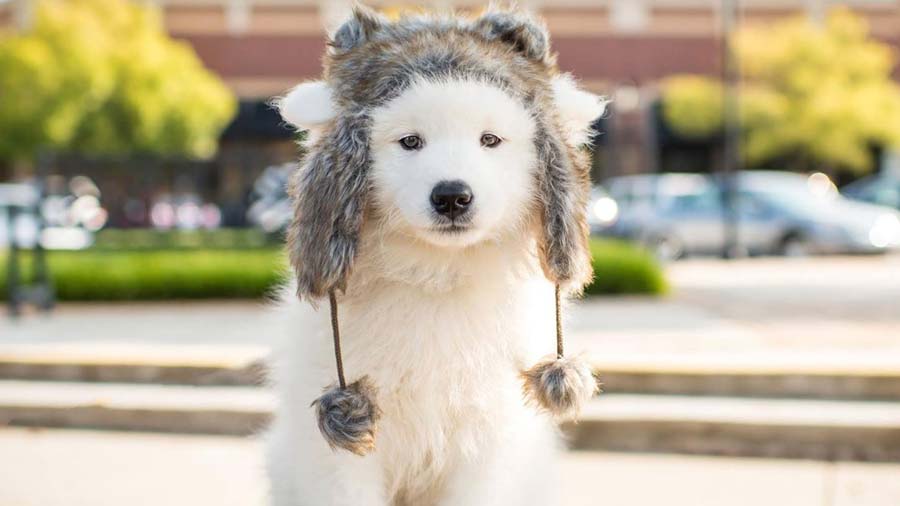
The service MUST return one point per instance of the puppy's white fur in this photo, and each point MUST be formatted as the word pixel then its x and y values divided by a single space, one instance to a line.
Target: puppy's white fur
pixel 441 322
pixel 451 117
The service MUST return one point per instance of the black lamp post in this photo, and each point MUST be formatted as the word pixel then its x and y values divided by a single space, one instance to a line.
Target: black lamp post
pixel 731 134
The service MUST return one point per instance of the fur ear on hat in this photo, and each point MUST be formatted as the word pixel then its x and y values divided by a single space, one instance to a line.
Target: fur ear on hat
pixel 524 34
pixel 357 30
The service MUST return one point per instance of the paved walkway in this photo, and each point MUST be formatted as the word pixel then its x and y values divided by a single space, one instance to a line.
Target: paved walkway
pixel 818 314
pixel 84 468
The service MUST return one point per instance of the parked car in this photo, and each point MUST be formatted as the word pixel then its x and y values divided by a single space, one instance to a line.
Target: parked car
pixel 776 213
pixel 881 189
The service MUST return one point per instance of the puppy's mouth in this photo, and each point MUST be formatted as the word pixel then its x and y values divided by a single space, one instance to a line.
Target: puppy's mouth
pixel 452 228
pixel 452 225
pixel 453 233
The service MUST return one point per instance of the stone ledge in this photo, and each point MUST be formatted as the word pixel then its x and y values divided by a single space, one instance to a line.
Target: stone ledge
pixel 788 428
pixel 656 378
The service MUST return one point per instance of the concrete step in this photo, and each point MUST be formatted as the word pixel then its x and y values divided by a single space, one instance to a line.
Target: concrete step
pixel 654 378
pixel 791 428
pixel 790 381
pixel 732 426
pixel 201 366
pixel 118 406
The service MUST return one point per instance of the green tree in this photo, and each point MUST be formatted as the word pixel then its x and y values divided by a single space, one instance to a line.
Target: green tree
pixel 103 77
pixel 815 97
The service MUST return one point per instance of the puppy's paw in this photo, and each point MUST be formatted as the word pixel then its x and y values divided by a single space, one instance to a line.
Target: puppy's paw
pixel 348 417
pixel 560 385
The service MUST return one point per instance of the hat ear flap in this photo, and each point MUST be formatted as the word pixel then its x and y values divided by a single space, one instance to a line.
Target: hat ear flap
pixel 329 194
pixel 563 187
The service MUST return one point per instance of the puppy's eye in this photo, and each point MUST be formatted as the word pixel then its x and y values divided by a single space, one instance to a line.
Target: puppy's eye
pixel 411 142
pixel 490 140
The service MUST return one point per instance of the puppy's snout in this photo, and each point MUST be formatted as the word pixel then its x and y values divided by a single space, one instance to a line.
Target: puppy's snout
pixel 451 198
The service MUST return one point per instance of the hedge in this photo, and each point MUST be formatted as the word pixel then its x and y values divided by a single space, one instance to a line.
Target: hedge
pixel 623 268
pixel 207 273
pixel 149 239
pixel 95 275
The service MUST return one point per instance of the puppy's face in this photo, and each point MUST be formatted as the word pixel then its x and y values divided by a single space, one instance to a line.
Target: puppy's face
pixel 453 162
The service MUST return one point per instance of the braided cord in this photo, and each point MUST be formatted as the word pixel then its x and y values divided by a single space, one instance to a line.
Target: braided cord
pixel 559 330
pixel 336 334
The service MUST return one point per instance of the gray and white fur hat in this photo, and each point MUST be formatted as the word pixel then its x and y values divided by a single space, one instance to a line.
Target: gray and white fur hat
pixel 372 60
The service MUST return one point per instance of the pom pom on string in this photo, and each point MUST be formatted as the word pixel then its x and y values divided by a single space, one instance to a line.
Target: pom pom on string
pixel 347 415
pixel 560 385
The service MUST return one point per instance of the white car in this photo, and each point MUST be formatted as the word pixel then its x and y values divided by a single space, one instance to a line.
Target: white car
pixel 776 213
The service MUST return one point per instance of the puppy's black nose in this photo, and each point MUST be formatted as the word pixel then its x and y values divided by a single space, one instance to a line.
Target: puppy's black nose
pixel 451 198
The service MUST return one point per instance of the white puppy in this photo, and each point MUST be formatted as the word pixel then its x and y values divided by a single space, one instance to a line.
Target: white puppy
pixel 451 291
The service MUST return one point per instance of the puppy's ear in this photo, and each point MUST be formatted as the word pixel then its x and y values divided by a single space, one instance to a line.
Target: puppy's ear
pixel 522 33
pixel 563 188
pixel 308 106
pixel 577 109
pixel 359 29
pixel 329 194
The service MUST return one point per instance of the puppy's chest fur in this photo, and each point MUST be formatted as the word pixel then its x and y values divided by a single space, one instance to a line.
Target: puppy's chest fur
pixel 446 366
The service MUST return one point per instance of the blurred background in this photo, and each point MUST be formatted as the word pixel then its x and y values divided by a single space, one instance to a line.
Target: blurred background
pixel 745 219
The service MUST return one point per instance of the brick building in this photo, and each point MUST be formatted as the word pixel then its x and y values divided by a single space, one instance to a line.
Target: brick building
pixel 616 47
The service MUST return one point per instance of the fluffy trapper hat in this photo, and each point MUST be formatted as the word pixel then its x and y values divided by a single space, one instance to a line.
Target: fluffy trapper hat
pixel 372 60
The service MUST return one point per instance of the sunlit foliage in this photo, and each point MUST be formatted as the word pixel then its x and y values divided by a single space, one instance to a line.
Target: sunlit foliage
pixel 816 97
pixel 103 77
